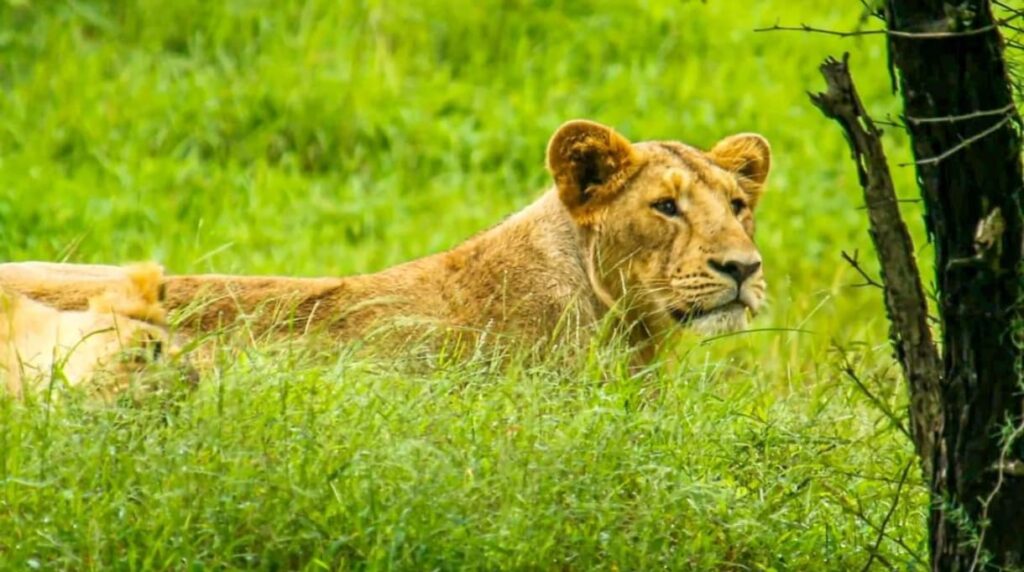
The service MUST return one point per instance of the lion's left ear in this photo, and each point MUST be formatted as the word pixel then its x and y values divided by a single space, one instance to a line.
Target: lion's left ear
pixel 139 298
pixel 749 156
pixel 589 162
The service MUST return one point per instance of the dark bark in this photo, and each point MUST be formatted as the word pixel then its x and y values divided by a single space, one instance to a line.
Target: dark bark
pixel 965 133
pixel 905 301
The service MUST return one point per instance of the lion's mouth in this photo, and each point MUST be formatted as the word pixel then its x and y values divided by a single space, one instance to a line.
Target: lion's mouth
pixel 687 316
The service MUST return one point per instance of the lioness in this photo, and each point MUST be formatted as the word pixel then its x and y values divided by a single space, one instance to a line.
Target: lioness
pixel 659 232
pixel 119 333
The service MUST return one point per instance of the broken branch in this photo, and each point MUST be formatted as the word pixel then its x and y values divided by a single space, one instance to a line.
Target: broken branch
pixel 905 300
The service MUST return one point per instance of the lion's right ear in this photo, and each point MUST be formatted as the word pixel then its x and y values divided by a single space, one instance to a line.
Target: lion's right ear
pixel 589 163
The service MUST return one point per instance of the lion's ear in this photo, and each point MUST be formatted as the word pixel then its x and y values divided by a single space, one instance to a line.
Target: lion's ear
pixel 589 163
pixel 140 298
pixel 749 156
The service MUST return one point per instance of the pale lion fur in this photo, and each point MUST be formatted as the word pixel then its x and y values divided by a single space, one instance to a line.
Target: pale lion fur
pixel 40 344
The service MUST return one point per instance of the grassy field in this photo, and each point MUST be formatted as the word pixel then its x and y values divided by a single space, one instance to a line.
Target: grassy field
pixel 326 138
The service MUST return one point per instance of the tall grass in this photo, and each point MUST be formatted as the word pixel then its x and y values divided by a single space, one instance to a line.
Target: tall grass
pixel 325 138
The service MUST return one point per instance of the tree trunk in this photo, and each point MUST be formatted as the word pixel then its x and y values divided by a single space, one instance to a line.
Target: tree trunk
pixel 965 132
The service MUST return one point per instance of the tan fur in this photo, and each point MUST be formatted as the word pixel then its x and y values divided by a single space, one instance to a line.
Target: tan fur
pixel 115 336
pixel 590 245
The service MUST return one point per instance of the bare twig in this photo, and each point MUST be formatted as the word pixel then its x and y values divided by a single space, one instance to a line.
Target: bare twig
pixel 890 123
pixel 865 477
pixel 1017 29
pixel 962 145
pixel 1007 7
pixel 882 559
pixel 1012 468
pixel 885 521
pixel 866 206
pixel 905 300
pixel 965 117
pixel 854 262
pixel 858 512
pixel 851 372
pixel 931 35
pixel 870 11
pixel 890 33
pixel 1005 468
pixel 898 201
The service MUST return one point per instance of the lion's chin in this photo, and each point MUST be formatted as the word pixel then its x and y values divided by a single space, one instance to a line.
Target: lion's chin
pixel 728 318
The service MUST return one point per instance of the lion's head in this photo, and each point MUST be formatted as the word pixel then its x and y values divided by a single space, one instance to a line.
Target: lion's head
pixel 669 228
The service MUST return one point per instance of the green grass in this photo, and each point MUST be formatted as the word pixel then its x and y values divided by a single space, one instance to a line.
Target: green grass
pixel 326 138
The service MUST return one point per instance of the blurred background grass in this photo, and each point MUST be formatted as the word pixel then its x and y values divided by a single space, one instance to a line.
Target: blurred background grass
pixel 328 138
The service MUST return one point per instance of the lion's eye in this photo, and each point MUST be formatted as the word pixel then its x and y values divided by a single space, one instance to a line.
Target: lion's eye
pixel 667 207
pixel 737 206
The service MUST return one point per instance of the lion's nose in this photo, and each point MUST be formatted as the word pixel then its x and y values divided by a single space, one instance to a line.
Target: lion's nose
pixel 739 270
